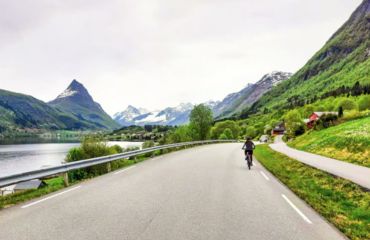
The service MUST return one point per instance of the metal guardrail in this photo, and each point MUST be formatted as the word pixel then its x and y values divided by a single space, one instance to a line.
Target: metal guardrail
pixel 64 168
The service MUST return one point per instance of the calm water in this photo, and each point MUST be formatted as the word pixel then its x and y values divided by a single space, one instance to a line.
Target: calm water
pixel 18 158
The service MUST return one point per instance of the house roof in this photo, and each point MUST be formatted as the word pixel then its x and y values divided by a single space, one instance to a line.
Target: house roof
pixel 33 184
pixel 325 113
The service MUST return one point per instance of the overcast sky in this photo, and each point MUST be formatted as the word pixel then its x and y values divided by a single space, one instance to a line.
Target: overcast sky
pixel 158 53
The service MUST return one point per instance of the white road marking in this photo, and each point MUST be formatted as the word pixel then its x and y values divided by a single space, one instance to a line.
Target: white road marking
pixel 296 209
pixel 264 175
pixel 50 197
pixel 124 170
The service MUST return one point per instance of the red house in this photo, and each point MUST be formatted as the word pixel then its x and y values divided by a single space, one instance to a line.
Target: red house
pixel 316 116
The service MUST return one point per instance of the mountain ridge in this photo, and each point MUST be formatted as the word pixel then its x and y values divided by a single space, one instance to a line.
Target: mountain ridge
pixel 21 111
pixel 76 100
pixel 236 102
pixel 179 115
pixel 341 62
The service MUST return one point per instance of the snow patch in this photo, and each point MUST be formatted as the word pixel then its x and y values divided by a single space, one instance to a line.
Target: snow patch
pixel 67 93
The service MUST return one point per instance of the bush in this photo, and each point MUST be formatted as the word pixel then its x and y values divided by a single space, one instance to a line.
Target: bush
pixel 251 132
pixel 353 114
pixel 223 137
pixel 227 134
pixel 148 144
pixel 347 104
pixel 90 148
pixel 326 121
pixel 220 127
pixel 294 124
pixel 181 134
pixel 364 103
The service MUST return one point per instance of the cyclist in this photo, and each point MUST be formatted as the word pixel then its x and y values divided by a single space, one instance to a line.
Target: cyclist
pixel 248 148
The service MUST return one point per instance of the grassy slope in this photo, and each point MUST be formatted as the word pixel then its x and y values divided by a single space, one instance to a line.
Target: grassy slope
pixel 24 111
pixel 345 73
pixel 342 202
pixel 343 60
pixel 93 114
pixel 349 142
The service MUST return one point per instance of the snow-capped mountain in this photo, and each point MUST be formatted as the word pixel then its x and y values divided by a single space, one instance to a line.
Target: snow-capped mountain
pixel 76 100
pixel 126 117
pixel 235 102
pixel 179 115
pixel 169 116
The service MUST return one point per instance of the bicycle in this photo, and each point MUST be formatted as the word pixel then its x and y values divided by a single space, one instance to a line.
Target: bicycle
pixel 248 158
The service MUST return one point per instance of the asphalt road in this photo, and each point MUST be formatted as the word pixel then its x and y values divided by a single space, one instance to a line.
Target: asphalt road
pixel 355 173
pixel 199 193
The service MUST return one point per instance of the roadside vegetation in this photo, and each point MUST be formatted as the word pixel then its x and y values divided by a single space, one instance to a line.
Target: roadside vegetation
pixel 52 185
pixel 343 203
pixel 349 142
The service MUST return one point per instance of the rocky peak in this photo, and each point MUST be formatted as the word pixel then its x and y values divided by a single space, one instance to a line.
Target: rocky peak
pixel 274 78
pixel 75 89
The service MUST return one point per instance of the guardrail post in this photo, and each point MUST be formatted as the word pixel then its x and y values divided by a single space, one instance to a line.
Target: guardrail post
pixel 66 179
pixel 109 167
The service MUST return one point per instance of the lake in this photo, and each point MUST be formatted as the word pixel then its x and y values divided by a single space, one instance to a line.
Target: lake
pixel 19 158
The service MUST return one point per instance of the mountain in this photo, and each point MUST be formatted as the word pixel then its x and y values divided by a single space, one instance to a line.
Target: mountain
pixel 236 102
pixel 341 62
pixel 20 111
pixel 77 101
pixel 126 117
pixel 178 115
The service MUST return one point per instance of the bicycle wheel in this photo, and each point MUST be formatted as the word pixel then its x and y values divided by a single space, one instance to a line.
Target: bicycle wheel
pixel 249 162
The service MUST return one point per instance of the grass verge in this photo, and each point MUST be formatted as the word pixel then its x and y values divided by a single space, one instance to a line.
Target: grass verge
pixel 52 185
pixel 348 142
pixel 343 203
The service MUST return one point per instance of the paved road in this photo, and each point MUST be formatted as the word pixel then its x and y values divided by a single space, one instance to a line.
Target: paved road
pixel 352 172
pixel 200 193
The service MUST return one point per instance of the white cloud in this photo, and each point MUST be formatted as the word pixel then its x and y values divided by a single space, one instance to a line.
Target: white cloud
pixel 158 53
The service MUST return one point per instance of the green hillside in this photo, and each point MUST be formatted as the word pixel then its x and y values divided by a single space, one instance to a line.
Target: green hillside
pixel 349 142
pixel 343 61
pixel 23 111
pixel 77 101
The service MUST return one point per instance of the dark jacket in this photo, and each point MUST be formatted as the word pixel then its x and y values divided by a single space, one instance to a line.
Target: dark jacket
pixel 249 146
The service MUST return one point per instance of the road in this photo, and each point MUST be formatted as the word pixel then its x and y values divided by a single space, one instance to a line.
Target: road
pixel 355 173
pixel 204 192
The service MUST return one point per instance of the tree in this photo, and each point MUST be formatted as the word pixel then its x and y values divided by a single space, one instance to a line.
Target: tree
pixel 364 103
pixel 251 132
pixel 347 104
pixel 227 134
pixel 201 120
pixel 293 123
pixel 308 110
pixel 181 134
pixel 220 127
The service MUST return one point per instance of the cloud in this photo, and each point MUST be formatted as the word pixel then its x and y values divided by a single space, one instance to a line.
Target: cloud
pixel 158 53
